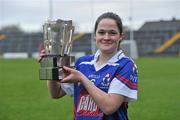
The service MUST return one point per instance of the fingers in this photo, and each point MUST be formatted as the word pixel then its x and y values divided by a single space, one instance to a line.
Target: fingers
pixel 66 79
pixel 67 69
pixel 41 55
pixel 70 76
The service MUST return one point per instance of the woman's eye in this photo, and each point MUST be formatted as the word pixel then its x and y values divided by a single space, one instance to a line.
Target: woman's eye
pixel 112 32
pixel 101 32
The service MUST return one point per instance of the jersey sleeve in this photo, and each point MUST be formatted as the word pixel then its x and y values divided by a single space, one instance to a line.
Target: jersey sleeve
pixel 68 88
pixel 125 82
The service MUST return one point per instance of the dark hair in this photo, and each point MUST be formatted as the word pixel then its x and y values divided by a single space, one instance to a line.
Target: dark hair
pixel 110 15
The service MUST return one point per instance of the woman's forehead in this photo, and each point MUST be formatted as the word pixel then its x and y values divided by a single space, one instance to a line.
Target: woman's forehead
pixel 107 23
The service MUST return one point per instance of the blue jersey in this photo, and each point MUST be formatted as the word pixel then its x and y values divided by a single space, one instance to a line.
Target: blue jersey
pixel 118 76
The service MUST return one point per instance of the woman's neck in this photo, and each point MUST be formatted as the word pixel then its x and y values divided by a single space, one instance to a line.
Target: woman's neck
pixel 104 57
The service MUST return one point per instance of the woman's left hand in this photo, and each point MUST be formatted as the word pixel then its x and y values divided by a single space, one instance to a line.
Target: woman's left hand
pixel 41 55
pixel 72 76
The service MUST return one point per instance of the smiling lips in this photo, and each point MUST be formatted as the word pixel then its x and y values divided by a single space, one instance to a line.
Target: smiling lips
pixel 106 42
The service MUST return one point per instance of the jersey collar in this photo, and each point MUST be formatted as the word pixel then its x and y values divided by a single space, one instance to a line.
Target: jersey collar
pixel 119 55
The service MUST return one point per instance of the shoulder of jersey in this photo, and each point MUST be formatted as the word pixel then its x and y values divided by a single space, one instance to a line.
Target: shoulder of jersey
pixel 86 58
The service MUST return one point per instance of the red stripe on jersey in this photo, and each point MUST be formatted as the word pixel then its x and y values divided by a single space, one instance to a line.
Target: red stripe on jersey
pixel 126 81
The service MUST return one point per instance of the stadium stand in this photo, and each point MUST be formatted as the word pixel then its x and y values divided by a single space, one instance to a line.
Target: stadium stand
pixel 83 44
pixel 168 43
pixel 151 36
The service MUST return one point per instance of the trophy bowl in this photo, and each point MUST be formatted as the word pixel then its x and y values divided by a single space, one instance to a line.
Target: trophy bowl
pixel 57 40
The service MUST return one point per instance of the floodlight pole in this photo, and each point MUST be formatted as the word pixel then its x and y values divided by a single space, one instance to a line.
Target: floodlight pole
pixel 50 9
pixel 131 20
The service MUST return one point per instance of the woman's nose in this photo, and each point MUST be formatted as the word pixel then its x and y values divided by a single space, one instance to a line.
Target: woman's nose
pixel 106 36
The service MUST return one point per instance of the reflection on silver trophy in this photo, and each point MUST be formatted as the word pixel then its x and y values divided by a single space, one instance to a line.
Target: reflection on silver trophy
pixel 57 44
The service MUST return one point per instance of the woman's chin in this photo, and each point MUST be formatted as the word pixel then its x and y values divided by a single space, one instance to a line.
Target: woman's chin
pixel 107 51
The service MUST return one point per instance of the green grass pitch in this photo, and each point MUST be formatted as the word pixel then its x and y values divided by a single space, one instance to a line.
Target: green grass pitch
pixel 24 97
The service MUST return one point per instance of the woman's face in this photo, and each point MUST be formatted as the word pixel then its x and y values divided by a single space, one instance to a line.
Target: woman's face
pixel 107 36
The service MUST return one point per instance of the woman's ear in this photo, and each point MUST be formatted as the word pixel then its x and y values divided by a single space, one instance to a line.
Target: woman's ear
pixel 120 40
pixel 122 36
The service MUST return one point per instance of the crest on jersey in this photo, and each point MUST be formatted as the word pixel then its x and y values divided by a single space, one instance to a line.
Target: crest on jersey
pixel 106 80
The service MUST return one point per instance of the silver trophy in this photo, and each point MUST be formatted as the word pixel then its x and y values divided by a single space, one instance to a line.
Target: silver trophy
pixel 57 44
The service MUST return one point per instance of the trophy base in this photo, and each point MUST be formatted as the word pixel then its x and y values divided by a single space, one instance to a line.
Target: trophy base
pixel 51 73
pixel 51 67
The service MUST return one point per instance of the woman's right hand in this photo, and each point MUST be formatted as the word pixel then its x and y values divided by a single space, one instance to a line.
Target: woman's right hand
pixel 41 55
pixel 72 75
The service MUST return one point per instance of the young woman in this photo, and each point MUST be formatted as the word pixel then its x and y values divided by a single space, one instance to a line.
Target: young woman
pixel 103 83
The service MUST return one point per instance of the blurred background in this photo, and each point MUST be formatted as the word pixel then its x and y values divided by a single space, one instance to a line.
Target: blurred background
pixel 152 39
pixel 153 24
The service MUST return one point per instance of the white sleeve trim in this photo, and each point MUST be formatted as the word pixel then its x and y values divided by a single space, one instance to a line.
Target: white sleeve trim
pixel 68 88
pixel 120 88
